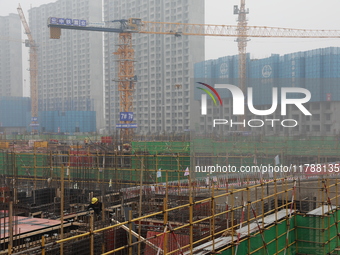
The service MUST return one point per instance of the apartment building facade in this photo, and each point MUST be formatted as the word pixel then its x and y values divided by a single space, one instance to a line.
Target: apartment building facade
pixel 11 83
pixel 70 69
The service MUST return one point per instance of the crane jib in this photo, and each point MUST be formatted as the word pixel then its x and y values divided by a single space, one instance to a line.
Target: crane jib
pixel 99 29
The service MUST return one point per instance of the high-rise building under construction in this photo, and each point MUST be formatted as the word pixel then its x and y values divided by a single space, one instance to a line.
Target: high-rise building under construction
pixel 315 70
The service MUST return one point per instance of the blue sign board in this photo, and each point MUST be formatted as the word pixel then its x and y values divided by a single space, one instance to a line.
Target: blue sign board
pixel 68 22
pixel 126 116
pixel 61 21
pixel 129 125
pixel 34 119
pixel 53 20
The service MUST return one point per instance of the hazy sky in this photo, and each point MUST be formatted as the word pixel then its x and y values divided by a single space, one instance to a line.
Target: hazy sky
pixel 313 14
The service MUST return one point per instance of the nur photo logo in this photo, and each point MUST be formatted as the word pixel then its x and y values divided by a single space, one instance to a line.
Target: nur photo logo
pixel 239 100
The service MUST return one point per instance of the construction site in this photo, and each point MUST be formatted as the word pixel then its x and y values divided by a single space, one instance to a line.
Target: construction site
pixel 230 192
pixel 153 204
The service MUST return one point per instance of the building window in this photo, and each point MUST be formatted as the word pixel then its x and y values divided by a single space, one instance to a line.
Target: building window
pixel 316 117
pixel 316 128
pixel 316 106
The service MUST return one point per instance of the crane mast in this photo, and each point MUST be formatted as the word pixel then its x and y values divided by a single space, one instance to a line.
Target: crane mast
pixel 242 50
pixel 242 42
pixel 33 68
pixel 126 81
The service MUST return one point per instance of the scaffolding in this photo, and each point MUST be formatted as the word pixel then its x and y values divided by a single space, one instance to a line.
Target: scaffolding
pixel 155 201
pixel 254 220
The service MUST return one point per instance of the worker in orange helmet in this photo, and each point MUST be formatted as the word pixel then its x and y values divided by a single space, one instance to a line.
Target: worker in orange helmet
pixel 95 205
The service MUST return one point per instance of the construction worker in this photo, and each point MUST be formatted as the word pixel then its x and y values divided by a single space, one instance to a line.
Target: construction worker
pixel 95 205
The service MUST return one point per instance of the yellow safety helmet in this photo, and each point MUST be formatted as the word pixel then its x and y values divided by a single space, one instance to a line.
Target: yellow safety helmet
pixel 94 200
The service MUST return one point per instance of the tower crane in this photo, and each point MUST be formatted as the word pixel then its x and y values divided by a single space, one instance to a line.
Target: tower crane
pixel 33 68
pixel 125 51
pixel 242 49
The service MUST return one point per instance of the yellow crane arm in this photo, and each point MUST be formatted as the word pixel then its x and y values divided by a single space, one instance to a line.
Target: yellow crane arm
pixel 26 27
pixel 149 27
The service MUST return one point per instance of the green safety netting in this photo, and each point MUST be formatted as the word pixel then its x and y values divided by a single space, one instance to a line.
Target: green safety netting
pixel 274 237
pixel 317 234
pixel 310 234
